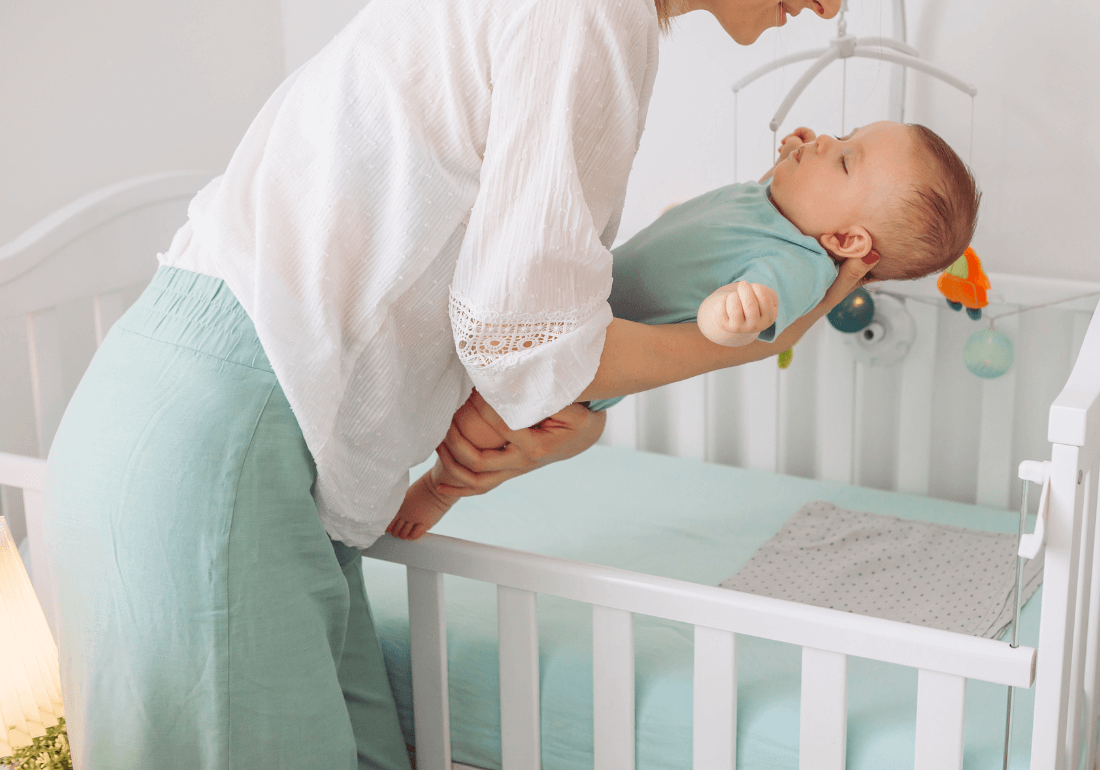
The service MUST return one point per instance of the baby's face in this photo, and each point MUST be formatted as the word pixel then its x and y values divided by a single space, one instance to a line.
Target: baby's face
pixel 831 185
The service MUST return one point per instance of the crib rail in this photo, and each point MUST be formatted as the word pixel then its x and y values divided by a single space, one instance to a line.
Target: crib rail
pixel 827 637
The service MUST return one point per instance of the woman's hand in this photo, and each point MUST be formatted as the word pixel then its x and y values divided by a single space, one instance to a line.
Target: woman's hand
pixel 463 469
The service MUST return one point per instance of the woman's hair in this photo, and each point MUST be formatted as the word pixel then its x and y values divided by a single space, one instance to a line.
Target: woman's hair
pixel 666 9
pixel 930 226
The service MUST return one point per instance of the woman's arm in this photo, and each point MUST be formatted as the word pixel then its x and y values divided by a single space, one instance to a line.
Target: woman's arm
pixel 639 357
pixel 635 357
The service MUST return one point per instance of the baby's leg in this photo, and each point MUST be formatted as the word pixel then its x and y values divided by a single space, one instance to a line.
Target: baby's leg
pixel 424 503
pixel 422 507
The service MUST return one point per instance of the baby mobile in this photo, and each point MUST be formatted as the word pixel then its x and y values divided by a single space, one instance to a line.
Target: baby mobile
pixel 989 352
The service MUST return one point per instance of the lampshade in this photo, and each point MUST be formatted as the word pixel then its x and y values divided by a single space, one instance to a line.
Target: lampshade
pixel 30 684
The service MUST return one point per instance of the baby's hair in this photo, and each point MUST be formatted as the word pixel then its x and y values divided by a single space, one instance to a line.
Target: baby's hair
pixel 931 224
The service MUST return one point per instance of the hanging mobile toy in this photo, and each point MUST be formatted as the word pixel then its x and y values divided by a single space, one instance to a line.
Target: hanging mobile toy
pixel 964 284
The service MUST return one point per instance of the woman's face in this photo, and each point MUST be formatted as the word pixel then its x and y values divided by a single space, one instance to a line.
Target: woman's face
pixel 745 20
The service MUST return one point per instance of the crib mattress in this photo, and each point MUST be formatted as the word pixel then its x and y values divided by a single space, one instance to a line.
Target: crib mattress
pixel 681 519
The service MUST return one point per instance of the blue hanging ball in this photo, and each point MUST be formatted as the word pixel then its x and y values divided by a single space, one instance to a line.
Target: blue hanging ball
pixel 854 312
pixel 988 353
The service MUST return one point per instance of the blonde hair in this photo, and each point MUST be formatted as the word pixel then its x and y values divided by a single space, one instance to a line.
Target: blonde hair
pixel 930 225
pixel 666 9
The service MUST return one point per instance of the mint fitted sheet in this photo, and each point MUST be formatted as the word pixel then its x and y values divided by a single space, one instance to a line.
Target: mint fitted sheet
pixel 682 519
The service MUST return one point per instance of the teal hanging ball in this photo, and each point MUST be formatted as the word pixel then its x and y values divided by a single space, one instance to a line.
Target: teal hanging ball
pixel 988 353
pixel 854 312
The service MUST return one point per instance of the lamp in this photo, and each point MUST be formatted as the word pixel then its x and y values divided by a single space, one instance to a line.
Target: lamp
pixel 30 681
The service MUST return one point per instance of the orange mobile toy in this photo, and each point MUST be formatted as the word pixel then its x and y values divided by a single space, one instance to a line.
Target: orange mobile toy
pixel 964 284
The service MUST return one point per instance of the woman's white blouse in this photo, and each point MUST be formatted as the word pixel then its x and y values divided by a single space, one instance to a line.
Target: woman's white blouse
pixel 425 205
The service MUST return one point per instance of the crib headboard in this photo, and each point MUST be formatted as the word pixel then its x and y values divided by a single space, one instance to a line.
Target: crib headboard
pixel 925 425
pixel 63 283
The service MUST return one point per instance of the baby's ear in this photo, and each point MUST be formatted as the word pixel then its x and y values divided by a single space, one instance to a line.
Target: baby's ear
pixel 853 244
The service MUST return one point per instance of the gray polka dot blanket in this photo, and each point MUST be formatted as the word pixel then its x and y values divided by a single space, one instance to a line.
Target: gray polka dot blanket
pixel 928 574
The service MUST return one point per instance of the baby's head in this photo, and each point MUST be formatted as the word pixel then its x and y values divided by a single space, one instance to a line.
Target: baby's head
pixel 898 189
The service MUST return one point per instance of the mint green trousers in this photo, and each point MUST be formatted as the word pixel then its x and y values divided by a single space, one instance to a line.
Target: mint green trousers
pixel 207 620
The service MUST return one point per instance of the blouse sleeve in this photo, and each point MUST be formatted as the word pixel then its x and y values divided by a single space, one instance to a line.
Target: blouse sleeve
pixel 528 302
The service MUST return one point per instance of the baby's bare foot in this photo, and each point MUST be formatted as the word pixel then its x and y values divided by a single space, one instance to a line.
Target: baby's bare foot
pixel 422 508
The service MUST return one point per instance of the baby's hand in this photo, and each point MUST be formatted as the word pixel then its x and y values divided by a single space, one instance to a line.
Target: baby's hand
pixel 735 314
pixel 794 140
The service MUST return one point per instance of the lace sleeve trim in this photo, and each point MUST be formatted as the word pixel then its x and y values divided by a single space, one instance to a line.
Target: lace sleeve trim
pixel 483 336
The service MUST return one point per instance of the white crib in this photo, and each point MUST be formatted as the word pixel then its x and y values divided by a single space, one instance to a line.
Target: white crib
pixel 924 426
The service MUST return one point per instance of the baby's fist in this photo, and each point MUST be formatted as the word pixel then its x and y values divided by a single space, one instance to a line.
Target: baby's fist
pixel 735 314
pixel 794 140
pixel 751 308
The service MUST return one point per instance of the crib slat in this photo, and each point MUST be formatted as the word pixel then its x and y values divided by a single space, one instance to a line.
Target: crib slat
pixel 714 700
pixel 997 425
pixel 835 408
pixel 941 717
pixel 760 414
pixel 41 574
pixel 44 344
pixel 108 309
pixel 17 428
pixel 782 420
pixel 914 446
pixel 687 418
pixel 621 429
pixel 823 718
pixel 613 688
pixel 428 635
pixel 518 632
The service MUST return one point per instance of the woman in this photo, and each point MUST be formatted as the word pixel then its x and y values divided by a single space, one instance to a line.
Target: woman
pixel 427 205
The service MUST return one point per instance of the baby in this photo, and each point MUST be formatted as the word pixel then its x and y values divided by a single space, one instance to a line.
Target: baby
pixel 748 259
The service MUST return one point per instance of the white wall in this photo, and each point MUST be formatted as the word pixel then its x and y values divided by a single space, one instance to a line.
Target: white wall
pixel 1034 153
pixel 309 24
pixel 94 93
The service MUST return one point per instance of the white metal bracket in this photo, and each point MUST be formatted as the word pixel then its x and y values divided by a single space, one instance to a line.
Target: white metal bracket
pixel 1039 472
